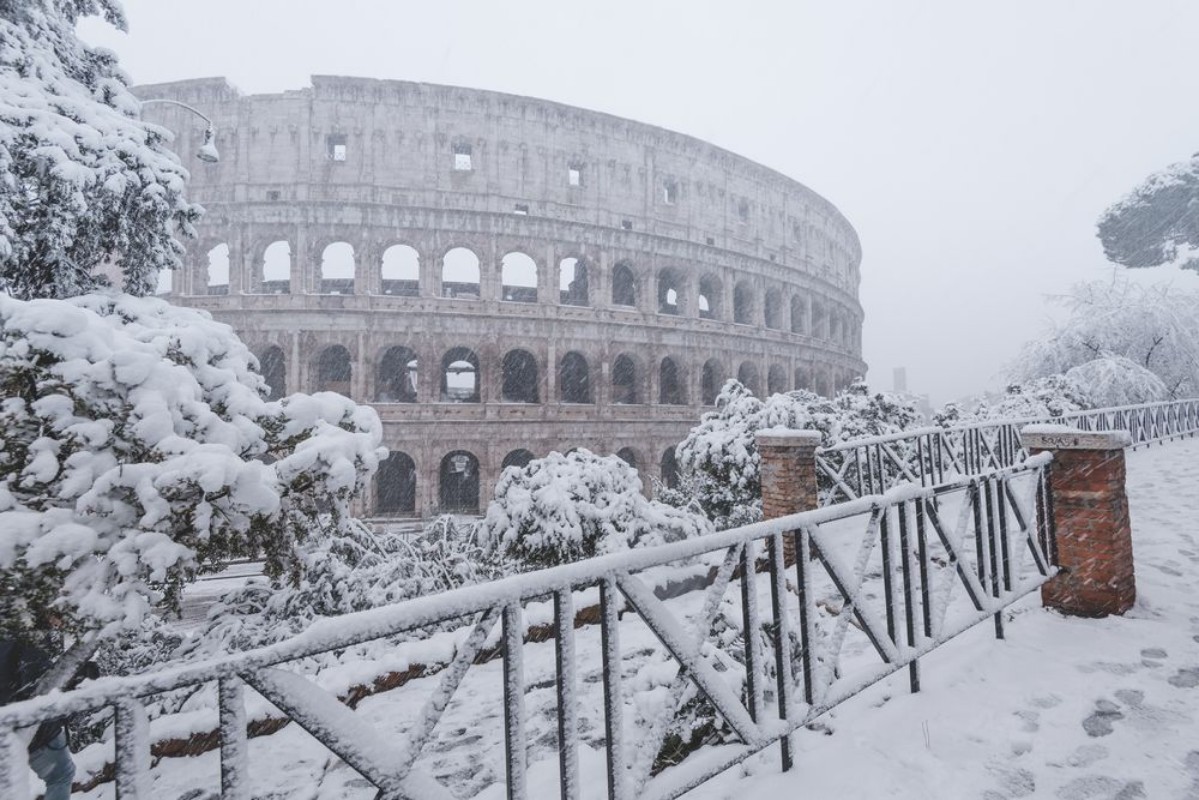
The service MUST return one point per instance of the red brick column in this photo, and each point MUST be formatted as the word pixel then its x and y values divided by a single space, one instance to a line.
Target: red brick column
pixel 788 475
pixel 1090 515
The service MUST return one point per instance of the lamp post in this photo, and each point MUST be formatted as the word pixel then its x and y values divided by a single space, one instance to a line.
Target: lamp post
pixel 207 152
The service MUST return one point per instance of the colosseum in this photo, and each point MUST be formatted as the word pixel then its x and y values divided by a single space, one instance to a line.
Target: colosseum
pixel 501 276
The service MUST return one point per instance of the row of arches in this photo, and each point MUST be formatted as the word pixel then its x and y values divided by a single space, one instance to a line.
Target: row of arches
pixel 459 480
pixel 674 290
pixel 459 376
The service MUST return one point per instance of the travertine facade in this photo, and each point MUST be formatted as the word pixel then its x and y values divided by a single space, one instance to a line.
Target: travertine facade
pixel 504 276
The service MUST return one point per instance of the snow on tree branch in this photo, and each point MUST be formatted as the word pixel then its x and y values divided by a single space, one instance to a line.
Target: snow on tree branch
pixel 1157 222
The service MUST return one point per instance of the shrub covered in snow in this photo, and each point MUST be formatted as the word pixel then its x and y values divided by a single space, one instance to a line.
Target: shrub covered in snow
pixel 563 508
pixel 83 181
pixel 136 447
pixel 718 460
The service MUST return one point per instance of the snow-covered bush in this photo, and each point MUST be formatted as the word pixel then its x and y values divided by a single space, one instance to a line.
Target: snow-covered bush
pixel 564 508
pixel 1155 327
pixel 84 181
pixel 1041 398
pixel 718 460
pixel 136 447
pixel 1117 381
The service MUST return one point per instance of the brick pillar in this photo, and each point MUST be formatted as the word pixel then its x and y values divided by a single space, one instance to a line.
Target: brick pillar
pixel 788 475
pixel 1090 515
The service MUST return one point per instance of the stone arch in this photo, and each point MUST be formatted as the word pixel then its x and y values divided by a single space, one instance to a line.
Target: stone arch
pixel 337 268
pixel 458 483
pixel 672 383
pixel 272 365
pixel 334 370
pixel 460 378
pixel 668 468
pixel 772 311
pixel 518 278
pixel 627 380
pixel 776 379
pixel 743 303
pixel 628 455
pixel 710 293
pixel 218 270
pixel 520 377
pixel 395 484
pixel 747 374
pixel 711 381
pixel 517 458
pixel 574 379
pixel 819 321
pixel 276 268
pixel 799 322
pixel 573 282
pixel 670 291
pixel 399 271
pixel 460 273
pixel 624 285
pixel 396 377
pixel 803 379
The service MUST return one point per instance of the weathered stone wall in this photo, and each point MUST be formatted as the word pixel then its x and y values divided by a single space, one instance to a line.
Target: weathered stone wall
pixel 777 265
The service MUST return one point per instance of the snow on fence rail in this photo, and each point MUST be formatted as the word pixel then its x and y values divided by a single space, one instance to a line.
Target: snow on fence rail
pixel 929 456
pixel 885 580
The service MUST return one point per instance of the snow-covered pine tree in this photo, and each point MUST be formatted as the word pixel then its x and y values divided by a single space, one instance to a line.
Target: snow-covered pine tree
pixel 1157 222
pixel 83 181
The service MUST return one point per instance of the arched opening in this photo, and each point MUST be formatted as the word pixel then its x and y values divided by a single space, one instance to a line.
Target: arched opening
pixel 747 374
pixel 333 370
pixel 517 458
pixel 628 456
pixel 834 328
pixel 669 469
pixel 458 487
pixel 776 380
pixel 276 268
pixel 337 269
pixel 400 271
pixel 819 321
pixel 803 379
pixel 799 322
pixel 520 378
pixel 672 387
pixel 624 381
pixel 518 276
pixel 743 304
pixel 669 301
pixel 772 310
pixel 711 381
pixel 218 270
pixel 624 285
pixel 574 379
pixel 572 282
pixel 273 368
pixel 396 378
pixel 395 485
pixel 460 274
pixel 460 376
pixel 709 297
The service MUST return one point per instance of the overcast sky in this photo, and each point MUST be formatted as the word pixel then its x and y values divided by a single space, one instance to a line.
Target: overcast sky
pixel 972 145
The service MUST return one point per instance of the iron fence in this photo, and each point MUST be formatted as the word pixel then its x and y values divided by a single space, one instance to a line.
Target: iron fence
pixel 929 456
pixel 830 601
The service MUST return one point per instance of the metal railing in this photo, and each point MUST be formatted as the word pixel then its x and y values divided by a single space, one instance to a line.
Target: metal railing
pixel 875 584
pixel 929 456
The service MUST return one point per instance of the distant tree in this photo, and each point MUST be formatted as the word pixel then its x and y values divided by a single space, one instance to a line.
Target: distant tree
pixel 564 508
pixel 137 448
pixel 1154 327
pixel 1157 222
pixel 83 181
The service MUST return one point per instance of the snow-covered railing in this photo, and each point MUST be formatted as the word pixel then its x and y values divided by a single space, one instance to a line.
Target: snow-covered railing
pixel 929 456
pixel 885 580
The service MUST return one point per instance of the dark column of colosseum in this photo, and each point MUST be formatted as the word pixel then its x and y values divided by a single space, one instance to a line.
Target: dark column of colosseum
pixel 502 276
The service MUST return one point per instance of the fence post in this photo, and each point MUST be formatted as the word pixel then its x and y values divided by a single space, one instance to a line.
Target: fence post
pixel 787 470
pixel 1090 516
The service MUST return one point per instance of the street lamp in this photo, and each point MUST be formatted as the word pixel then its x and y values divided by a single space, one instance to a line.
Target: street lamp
pixel 207 152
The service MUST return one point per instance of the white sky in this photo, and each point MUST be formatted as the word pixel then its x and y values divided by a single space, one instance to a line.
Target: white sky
pixel 972 145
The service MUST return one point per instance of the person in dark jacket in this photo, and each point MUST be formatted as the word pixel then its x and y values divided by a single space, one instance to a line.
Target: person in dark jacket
pixel 22 664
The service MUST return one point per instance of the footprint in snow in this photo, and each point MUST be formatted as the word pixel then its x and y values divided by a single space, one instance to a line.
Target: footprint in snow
pixel 1101 787
pixel 1186 678
pixel 1100 722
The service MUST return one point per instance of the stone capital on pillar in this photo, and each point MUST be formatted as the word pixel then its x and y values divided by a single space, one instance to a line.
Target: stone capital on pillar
pixel 787 470
pixel 1093 533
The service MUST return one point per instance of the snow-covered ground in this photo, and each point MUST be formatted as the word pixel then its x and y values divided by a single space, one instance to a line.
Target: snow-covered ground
pixel 1064 708
pixel 1069 708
